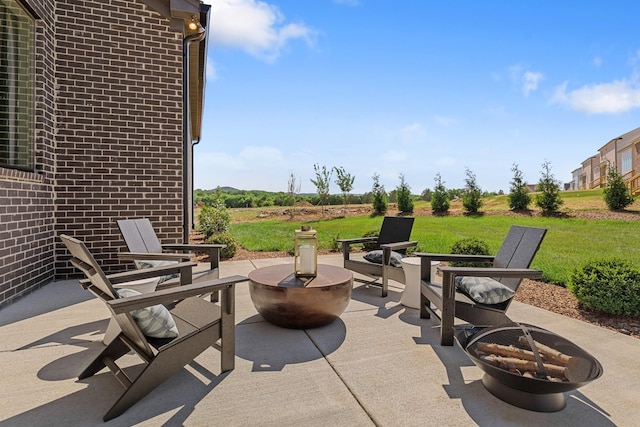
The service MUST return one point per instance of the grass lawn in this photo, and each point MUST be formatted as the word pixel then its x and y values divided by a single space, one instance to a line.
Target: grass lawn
pixel 570 240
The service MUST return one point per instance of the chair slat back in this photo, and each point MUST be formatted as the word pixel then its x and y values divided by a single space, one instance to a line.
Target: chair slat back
pixel 139 235
pixel 395 229
pixel 517 250
pixel 83 260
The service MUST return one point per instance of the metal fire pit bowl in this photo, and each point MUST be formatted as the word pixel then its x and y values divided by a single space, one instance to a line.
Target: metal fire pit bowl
pixel 535 394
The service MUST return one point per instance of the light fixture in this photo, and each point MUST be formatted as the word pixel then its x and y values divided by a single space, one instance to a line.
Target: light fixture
pixel 194 25
pixel 306 252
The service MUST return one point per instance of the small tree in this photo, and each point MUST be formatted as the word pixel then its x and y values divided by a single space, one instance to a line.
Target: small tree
pixel 472 197
pixel 617 195
pixel 293 188
pixel 519 197
pixel 403 195
pixel 427 194
pixel 380 199
pixel 322 182
pixel 548 199
pixel 439 198
pixel 345 182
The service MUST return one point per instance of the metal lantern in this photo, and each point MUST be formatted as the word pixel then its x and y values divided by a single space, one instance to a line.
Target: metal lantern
pixel 306 252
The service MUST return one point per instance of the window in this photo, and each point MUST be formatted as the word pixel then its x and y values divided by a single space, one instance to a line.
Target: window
pixel 626 162
pixel 16 86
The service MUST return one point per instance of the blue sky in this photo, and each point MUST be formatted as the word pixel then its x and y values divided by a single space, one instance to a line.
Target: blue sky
pixel 414 87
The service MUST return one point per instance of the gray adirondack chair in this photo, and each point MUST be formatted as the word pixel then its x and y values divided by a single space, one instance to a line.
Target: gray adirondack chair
pixel 144 245
pixel 510 266
pixel 200 324
pixel 394 237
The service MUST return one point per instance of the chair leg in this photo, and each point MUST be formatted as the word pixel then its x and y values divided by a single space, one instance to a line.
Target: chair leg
pixel 113 351
pixel 424 303
pixel 385 281
pixel 163 366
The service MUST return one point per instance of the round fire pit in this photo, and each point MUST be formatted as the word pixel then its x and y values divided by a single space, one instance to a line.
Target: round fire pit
pixel 530 378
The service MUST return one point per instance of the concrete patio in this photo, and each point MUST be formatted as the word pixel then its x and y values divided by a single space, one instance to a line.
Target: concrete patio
pixel 379 364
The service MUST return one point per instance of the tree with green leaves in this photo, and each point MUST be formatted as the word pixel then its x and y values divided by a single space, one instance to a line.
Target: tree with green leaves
pixel 403 195
pixel 380 198
pixel 519 197
pixel 472 196
pixel 345 183
pixel 548 199
pixel 439 197
pixel 617 195
pixel 322 183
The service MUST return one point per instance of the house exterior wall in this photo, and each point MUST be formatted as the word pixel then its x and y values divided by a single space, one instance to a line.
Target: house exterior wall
pixel 108 141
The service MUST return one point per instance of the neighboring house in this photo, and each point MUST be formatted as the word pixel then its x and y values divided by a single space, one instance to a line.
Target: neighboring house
pixel 621 153
pixel 94 126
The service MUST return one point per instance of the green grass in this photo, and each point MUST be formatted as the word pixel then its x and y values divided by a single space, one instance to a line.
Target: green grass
pixel 569 242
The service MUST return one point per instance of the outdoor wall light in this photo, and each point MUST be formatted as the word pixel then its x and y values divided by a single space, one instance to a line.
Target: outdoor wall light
pixel 194 25
pixel 306 252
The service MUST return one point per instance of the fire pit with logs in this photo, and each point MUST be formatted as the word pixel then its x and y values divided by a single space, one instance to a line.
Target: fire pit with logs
pixel 528 366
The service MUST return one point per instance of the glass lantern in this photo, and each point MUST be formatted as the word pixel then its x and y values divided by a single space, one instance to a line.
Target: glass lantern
pixel 306 252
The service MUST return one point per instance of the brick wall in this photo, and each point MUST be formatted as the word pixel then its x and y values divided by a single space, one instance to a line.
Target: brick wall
pixel 26 199
pixel 109 139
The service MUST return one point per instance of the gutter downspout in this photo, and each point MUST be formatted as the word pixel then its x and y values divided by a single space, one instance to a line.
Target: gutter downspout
pixel 193 224
pixel 186 136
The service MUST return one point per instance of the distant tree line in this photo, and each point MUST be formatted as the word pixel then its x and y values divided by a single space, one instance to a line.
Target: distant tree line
pixel 233 198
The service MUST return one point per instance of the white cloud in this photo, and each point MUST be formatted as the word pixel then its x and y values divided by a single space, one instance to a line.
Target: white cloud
pixel 527 80
pixel 255 27
pixel 530 81
pixel 618 96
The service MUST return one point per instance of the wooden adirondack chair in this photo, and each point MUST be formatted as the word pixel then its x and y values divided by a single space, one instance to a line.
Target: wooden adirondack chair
pixel 393 239
pixel 144 246
pixel 200 324
pixel 510 266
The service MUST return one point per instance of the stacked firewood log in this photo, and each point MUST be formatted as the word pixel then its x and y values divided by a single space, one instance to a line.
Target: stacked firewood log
pixel 555 365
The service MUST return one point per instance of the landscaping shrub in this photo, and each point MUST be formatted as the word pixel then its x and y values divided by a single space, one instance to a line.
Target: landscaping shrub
pixel 611 286
pixel 380 197
pixel 472 196
pixel 548 199
pixel 226 239
pixel 470 246
pixel 519 197
pixel 403 194
pixel 214 219
pixel 617 194
pixel 439 198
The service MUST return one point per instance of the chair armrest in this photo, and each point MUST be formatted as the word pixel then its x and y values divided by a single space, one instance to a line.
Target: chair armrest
pixel 145 273
pixel 212 249
pixel 456 257
pixel 525 273
pixel 194 248
pixel 154 256
pixel 399 245
pixel 184 268
pixel 124 305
